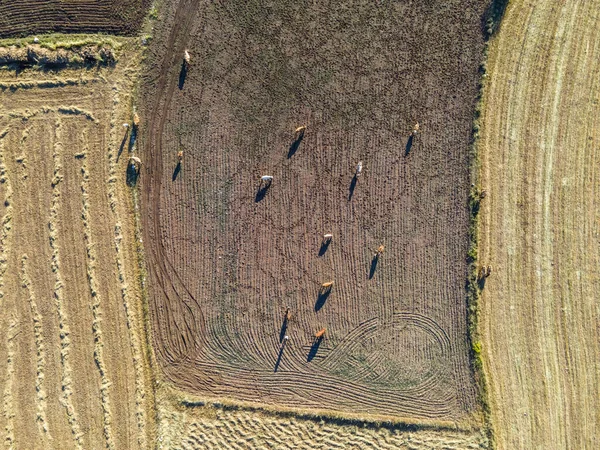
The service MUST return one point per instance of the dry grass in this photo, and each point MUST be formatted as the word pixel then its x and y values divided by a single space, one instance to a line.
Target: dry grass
pixel 210 425
pixel 74 370
pixel 540 225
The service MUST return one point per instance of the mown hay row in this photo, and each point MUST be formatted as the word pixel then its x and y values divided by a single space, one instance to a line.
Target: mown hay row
pixel 134 322
pixel 5 237
pixel 65 339
pixel 41 396
pixel 8 407
pixel 96 301
pixel 7 218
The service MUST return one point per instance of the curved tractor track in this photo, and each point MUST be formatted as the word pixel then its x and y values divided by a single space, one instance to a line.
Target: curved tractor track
pixel 227 260
pixel 162 269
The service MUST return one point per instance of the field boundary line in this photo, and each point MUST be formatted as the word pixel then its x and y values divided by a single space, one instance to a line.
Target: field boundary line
pixel 494 16
pixel 335 418
pixel 130 315
pixel 65 340
pixel 31 84
pixel 96 303
pixel 36 318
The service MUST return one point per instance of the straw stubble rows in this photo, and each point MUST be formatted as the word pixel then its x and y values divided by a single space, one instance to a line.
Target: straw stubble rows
pixel 73 367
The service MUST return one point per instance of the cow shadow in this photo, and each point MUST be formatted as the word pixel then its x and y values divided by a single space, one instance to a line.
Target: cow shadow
pixel 374 263
pixel 122 146
pixel 182 75
pixel 132 138
pixel 279 356
pixel 322 298
pixel 352 187
pixel 284 327
pixel 409 145
pixel 261 192
pixel 176 171
pixel 481 283
pixel 131 175
pixel 294 146
pixel 314 348
pixel 324 247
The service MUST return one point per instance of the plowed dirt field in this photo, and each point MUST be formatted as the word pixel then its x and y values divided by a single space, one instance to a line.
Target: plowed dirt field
pixel 73 365
pixel 23 17
pixel 540 225
pixel 227 261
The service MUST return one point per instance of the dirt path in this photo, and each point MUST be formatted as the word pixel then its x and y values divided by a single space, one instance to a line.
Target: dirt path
pixel 540 225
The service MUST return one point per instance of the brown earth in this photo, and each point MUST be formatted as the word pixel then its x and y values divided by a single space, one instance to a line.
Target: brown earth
pixel 225 263
pixel 540 226
pixel 23 17
pixel 73 360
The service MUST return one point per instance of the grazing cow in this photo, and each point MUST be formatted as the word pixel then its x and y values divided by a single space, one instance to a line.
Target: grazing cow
pixel 320 334
pixel 359 168
pixel 415 129
pixel 299 132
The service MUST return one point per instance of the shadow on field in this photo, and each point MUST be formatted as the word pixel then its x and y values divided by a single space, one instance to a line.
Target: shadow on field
pixel 132 138
pixel 321 299
pixel 279 356
pixel 374 262
pixel 294 147
pixel 182 75
pixel 409 145
pixel 324 247
pixel 122 147
pixel 261 192
pixel 176 171
pixel 481 283
pixel 283 330
pixel 492 18
pixel 132 175
pixel 352 187
pixel 313 349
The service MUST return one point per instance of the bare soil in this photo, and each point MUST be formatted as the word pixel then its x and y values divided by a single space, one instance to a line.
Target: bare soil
pixel 24 17
pixel 227 260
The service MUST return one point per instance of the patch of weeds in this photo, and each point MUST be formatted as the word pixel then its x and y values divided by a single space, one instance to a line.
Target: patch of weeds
pixel 153 14
pixel 493 17
pixel 473 288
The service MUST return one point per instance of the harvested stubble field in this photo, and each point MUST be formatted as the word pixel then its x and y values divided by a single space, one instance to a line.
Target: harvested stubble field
pixel 73 360
pixel 540 225
pixel 24 17
pixel 210 426
pixel 225 263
